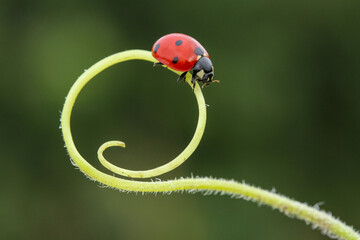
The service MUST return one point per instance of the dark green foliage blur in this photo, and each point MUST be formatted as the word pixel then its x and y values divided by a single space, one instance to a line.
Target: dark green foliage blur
pixel 286 115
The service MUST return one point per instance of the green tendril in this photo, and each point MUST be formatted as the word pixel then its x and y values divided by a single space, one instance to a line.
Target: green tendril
pixel 318 218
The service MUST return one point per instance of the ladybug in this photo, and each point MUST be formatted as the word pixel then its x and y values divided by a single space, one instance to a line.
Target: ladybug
pixel 183 53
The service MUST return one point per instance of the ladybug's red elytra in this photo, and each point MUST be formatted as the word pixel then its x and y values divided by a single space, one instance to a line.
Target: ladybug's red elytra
pixel 183 53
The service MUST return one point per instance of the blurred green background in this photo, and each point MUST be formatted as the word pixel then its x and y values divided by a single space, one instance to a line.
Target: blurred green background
pixel 286 116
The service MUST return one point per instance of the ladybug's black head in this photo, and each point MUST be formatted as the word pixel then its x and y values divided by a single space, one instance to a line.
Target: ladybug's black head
pixel 203 71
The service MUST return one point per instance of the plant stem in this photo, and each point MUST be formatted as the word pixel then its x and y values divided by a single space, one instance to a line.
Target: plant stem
pixel 320 219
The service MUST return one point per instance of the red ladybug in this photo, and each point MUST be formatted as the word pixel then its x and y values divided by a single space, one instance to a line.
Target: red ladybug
pixel 183 53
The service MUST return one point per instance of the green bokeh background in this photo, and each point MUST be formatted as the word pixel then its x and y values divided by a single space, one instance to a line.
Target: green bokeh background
pixel 286 116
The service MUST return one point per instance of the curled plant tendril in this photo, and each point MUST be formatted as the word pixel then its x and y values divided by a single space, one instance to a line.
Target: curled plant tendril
pixel 318 218
pixel 70 100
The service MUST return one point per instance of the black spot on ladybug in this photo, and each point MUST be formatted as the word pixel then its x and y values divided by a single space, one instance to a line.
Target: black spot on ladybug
pixel 178 42
pixel 199 51
pixel 175 60
pixel 156 47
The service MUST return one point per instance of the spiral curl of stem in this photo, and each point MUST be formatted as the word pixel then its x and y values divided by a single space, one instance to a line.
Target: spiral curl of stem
pixel 318 218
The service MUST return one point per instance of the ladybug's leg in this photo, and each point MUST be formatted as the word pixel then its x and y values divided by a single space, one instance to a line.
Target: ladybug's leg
pixel 204 85
pixel 193 83
pixel 194 78
pixel 182 77
pixel 158 64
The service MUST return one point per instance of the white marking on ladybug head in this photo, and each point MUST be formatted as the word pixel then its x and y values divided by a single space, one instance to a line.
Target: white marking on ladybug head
pixel 200 74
